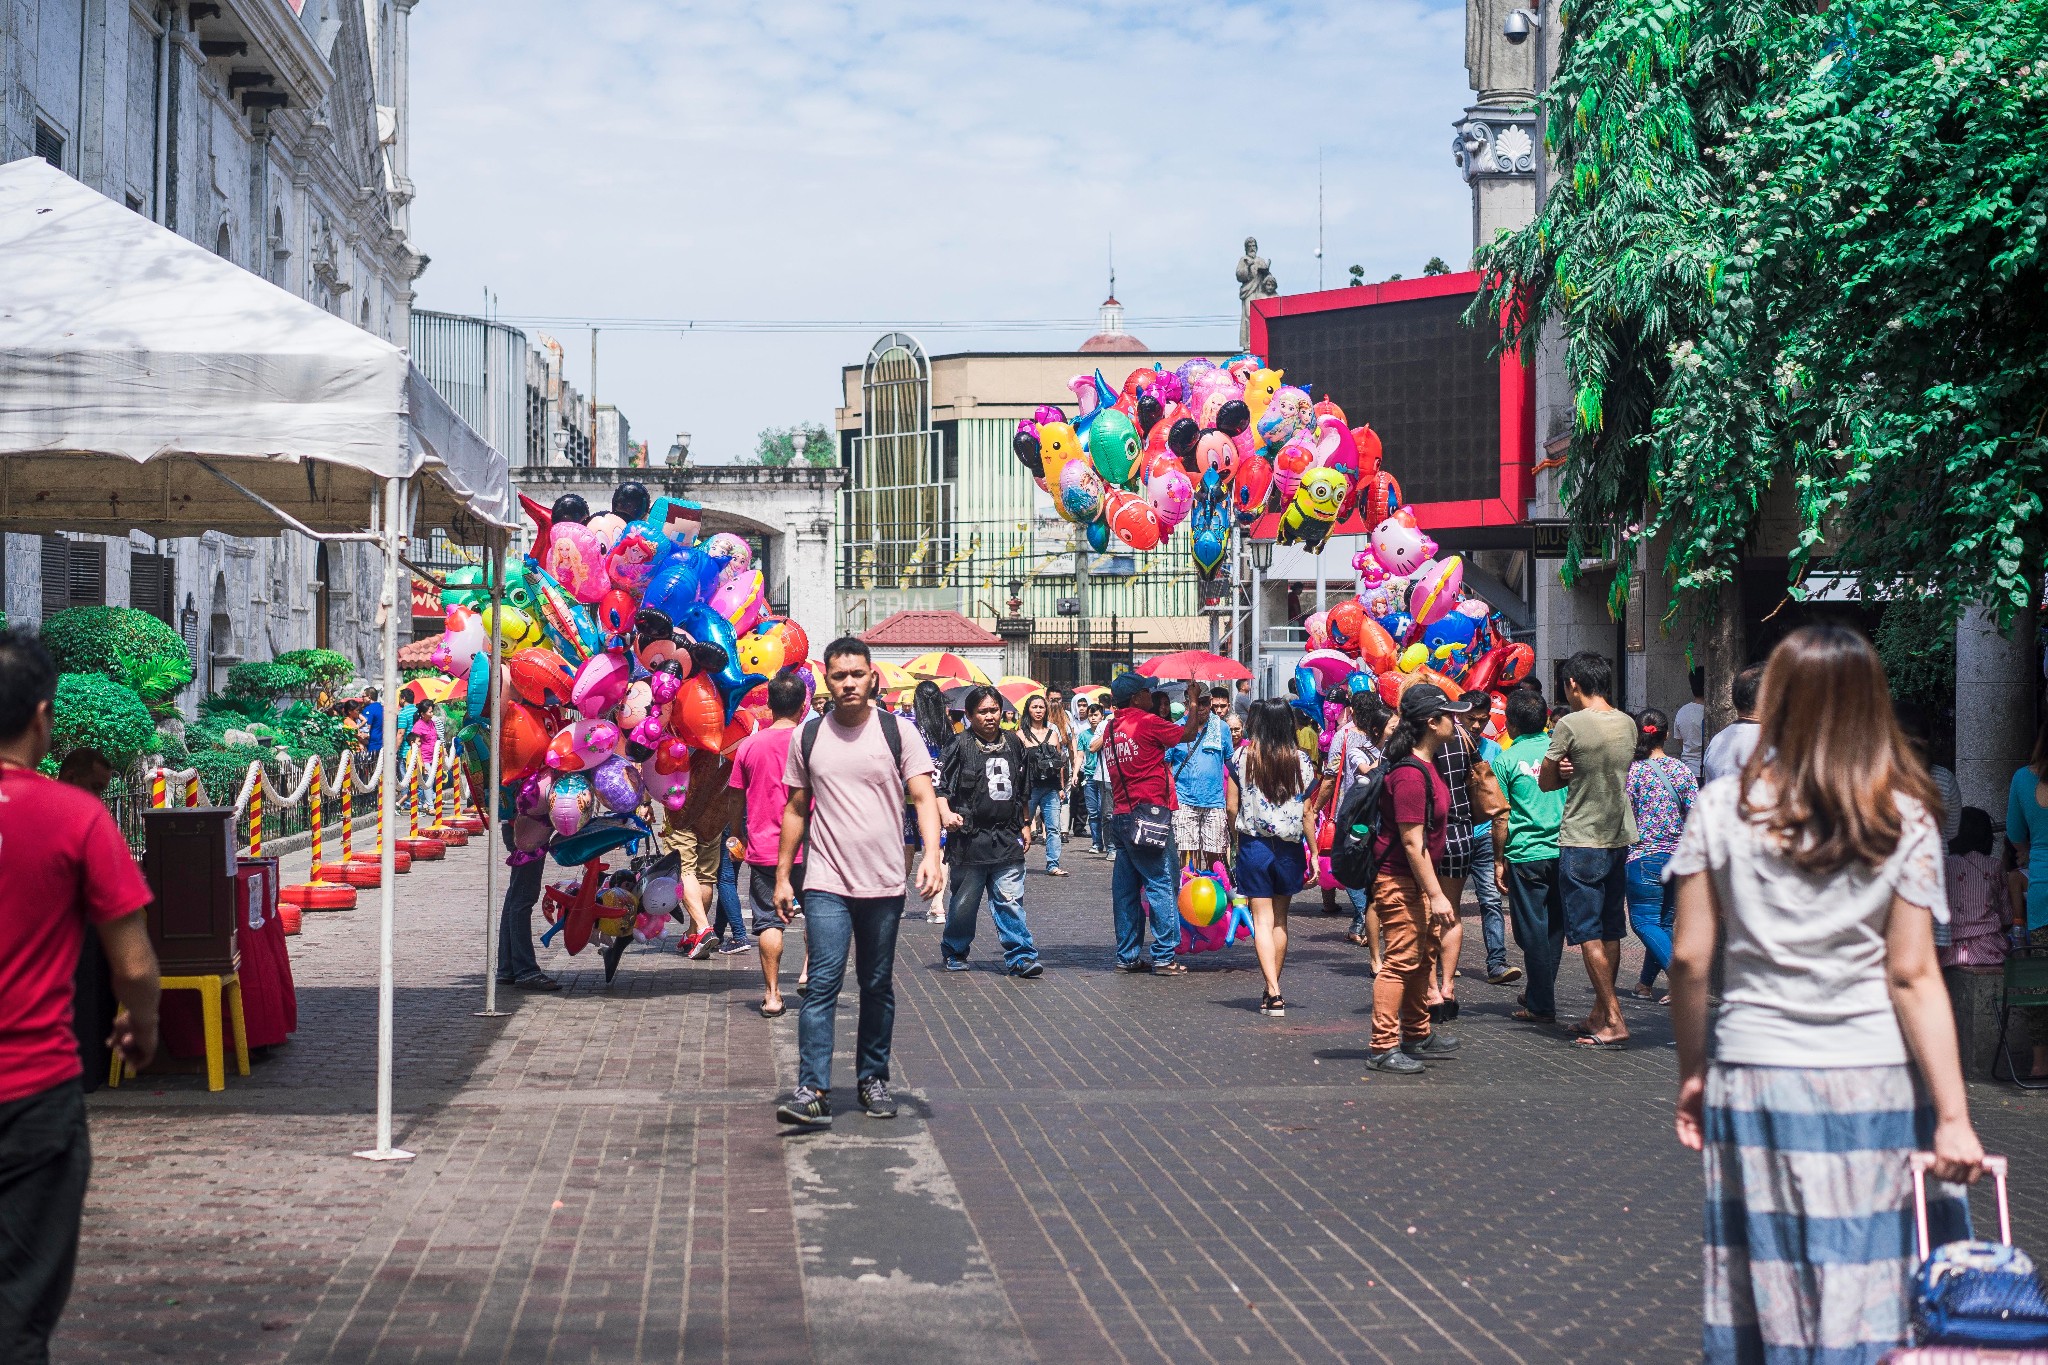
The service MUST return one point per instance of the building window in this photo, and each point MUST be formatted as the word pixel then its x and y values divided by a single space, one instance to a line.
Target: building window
pixel 49 144
pixel 152 584
pixel 134 202
pixel 224 245
pixel 74 574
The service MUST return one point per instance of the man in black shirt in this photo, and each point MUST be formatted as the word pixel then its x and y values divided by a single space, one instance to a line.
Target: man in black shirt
pixel 983 806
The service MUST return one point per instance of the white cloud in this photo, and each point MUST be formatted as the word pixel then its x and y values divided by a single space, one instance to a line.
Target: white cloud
pixel 807 159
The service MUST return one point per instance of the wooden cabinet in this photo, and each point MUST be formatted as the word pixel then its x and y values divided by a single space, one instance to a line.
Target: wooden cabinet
pixel 189 860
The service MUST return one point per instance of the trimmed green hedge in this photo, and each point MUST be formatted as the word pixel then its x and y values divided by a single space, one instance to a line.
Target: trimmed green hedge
pixel 129 646
pixel 323 666
pixel 266 679
pixel 94 712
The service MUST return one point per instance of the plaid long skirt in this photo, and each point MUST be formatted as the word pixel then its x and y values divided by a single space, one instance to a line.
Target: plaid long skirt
pixel 1809 1212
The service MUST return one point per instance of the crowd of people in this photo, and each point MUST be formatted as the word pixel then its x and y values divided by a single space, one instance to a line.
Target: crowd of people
pixel 1808 864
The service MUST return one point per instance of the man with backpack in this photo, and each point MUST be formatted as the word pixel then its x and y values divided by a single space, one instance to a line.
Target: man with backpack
pixel 849 774
pixel 982 806
pixel 1525 852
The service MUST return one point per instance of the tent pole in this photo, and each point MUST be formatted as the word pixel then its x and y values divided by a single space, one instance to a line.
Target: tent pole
pixel 387 611
pixel 496 772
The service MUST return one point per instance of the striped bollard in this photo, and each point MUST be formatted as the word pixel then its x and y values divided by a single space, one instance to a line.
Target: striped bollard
pixel 192 790
pixel 157 788
pixel 313 795
pixel 256 819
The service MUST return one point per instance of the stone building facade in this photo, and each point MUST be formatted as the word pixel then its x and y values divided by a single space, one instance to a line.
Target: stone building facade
pixel 272 132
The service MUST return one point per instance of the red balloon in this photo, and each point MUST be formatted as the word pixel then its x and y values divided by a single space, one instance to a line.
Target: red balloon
pixel 738 728
pixel 522 740
pixel 1369 452
pixel 1253 480
pixel 615 612
pixel 1325 408
pixel 1382 493
pixel 540 676
pixel 1347 625
pixel 1517 662
pixel 796 646
pixel 697 715
pixel 1480 674
pixel 1390 686
pixel 1376 647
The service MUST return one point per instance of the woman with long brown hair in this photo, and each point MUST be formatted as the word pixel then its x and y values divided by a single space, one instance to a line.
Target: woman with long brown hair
pixel 1047 759
pixel 1271 780
pixel 1819 869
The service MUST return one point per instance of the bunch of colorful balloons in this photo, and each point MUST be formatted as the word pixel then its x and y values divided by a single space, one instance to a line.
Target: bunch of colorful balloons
pixel 1215 445
pixel 627 647
pixel 1212 914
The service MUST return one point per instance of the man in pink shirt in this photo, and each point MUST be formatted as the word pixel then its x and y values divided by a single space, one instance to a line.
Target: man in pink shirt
pixel 849 772
pixel 758 767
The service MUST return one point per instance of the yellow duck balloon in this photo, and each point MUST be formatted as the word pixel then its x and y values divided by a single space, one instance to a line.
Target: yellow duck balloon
pixel 1308 518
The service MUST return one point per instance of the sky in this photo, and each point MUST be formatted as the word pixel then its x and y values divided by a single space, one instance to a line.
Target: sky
pixel 896 163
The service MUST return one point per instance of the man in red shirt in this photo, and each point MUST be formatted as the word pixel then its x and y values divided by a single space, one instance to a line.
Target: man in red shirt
pixel 63 866
pixel 1142 886
pixel 757 772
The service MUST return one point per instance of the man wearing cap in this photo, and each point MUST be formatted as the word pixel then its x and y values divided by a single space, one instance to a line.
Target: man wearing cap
pixel 1414 821
pixel 1142 886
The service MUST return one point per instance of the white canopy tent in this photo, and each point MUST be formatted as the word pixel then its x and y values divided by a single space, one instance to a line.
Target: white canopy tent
pixel 147 384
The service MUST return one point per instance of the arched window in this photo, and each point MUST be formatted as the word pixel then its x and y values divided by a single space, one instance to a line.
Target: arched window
pixel 224 245
pixel 896 493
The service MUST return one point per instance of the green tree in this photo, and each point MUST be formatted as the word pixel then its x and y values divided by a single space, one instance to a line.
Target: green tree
pixel 129 646
pixel 1798 241
pixel 95 712
pixel 1435 266
pixel 776 446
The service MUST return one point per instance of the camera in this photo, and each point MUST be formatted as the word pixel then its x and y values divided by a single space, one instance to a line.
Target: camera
pixel 1519 24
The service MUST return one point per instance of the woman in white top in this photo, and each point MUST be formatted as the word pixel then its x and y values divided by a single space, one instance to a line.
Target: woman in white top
pixel 1833 1052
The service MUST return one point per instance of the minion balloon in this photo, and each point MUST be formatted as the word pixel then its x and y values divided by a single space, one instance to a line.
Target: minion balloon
pixel 1308 518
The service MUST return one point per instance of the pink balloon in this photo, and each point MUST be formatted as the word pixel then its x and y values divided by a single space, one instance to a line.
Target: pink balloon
pixel 1318 628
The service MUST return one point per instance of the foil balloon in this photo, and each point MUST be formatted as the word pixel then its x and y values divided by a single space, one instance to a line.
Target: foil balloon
pixel 1377 648
pixel 1294 459
pixel 568 624
pixel 1413 657
pixel 1399 544
pixel 1233 419
pixel 731 680
pixel 1131 520
pixel 615 613
pixel 601 682
pixel 1253 481
pixel 737 727
pixel 1379 496
pixel 1096 533
pixel 1334 447
pixel 1325 408
pixel 1347 624
pixel 1285 417
pixel 606 526
pixel 761 653
pixel 465 638
pixel 1317 627
pixel 576 560
pixel 1171 496
pixel 796 645
pixel 1112 445
pixel 637 705
pixel 1093 396
pixel 734 550
pixel 617 784
pixel 1398 624
pixel 541 677
pixel 1080 493
pixel 741 600
pixel 1260 388
pixel 1435 590
pixel 631 561
pixel 516 630
pixel 522 740
pixel 1025 446
pixel 1332 668
pixel 1308 518
pixel 1449 641
pixel 1059 445
pixel 1211 539
pixel 569 803
pixel 582 745
pixel 630 500
pixel 697 716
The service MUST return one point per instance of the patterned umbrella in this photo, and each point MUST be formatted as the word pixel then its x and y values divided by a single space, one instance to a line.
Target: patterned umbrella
pixel 1017 690
pixel 941 666
pixel 892 676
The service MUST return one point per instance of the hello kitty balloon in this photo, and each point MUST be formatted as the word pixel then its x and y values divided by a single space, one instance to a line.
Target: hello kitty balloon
pixel 1400 545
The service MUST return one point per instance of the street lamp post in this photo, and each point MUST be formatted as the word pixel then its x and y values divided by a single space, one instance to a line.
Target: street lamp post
pixel 1262 560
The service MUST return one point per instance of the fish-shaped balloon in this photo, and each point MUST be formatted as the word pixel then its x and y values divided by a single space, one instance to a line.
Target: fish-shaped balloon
pixel 1132 520
pixel 732 681
pixel 1112 445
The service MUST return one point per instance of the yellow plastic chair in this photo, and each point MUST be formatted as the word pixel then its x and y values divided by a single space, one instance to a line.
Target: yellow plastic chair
pixel 210 989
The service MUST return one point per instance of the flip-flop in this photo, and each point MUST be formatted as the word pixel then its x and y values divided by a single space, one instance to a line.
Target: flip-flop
pixel 1594 1040
pixel 775 1013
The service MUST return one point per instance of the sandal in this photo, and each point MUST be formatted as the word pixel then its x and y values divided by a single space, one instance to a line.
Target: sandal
pixel 1358 940
pixel 775 1013
pixel 1526 1016
pixel 1594 1040
pixel 1272 1006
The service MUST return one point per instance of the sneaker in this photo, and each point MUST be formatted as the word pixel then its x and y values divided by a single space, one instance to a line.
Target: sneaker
pixel 1141 965
pixel 1272 1006
pixel 705 943
pixel 1505 976
pixel 807 1108
pixel 688 943
pixel 876 1099
pixel 730 948
pixel 955 964
pixel 934 917
pixel 1398 1062
pixel 539 981
pixel 1028 971
pixel 1055 872
pixel 1438 1044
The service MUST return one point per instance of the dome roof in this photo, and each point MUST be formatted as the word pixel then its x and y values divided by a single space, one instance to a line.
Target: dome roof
pixel 1112 337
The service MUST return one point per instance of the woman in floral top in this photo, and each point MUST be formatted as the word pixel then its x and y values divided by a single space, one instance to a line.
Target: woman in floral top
pixel 1267 796
pixel 1661 790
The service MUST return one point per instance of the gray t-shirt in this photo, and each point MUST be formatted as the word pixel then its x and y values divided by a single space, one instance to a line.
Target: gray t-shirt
pixel 1690 726
pixel 1601 745
pixel 1729 751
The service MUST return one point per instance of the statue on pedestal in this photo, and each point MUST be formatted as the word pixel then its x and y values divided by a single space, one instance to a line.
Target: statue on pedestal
pixel 1254 281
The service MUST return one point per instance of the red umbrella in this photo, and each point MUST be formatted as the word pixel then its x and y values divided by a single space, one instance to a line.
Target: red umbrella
pixel 1194 665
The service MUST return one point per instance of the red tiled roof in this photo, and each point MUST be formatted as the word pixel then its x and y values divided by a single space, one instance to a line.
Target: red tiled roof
pixel 930 629
pixel 420 653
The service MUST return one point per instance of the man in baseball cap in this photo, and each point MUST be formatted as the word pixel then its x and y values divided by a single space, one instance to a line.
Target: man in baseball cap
pixel 1142 886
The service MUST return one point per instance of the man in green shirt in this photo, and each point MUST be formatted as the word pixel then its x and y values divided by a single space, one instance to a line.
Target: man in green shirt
pixel 1590 750
pixel 1525 849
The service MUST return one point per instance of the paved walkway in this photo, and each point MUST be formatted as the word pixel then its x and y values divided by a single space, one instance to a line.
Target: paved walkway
pixel 1090 1167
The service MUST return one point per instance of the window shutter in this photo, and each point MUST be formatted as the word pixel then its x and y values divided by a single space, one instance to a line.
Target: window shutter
pixel 149 584
pixel 56 575
pixel 88 573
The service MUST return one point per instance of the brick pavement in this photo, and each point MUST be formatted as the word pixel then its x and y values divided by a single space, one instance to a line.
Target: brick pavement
pixel 1090 1167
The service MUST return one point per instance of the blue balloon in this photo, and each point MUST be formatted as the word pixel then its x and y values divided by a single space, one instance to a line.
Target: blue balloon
pixel 1456 629
pixel 1105 399
pixel 732 683
pixel 1098 536
pixel 1359 681
pixel 1307 697
pixel 1397 624
pixel 677 583
pixel 479 686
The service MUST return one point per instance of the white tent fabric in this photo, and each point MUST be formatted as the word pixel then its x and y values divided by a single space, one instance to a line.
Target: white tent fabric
pixel 124 345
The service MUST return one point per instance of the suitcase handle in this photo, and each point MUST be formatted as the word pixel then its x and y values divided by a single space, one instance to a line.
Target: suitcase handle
pixel 1921 1161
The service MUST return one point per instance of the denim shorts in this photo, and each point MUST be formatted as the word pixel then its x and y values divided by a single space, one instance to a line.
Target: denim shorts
pixel 1595 886
pixel 1270 867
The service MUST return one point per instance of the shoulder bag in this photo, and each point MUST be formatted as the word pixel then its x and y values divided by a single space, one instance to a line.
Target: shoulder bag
pixel 1151 825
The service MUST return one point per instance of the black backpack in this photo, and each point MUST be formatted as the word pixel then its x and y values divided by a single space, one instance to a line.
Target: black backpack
pixel 1044 764
pixel 1353 861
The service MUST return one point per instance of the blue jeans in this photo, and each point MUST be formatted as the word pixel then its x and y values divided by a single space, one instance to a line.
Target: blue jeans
pixel 1043 805
pixel 1536 895
pixel 1004 883
pixel 1092 793
pixel 835 925
pixel 1484 884
pixel 1646 908
pixel 515 920
pixel 729 914
pixel 1141 889
pixel 1360 900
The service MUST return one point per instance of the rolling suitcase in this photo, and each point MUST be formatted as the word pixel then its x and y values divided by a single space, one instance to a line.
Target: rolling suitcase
pixel 1974 1300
